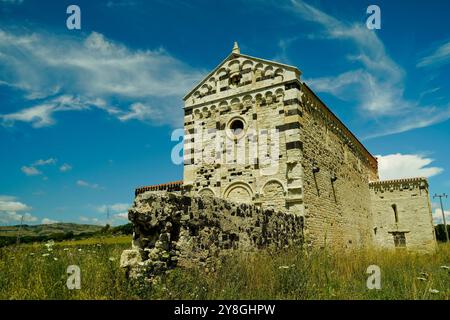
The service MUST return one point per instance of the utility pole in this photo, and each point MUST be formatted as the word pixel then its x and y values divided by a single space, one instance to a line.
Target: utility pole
pixel 18 232
pixel 440 196
pixel 107 215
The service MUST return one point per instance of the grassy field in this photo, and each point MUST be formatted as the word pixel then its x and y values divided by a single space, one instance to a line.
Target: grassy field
pixel 34 271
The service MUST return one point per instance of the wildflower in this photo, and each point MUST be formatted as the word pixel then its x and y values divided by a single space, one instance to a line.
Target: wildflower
pixel 79 250
pixel 421 279
pixel 445 267
pixel 54 258
pixel 46 254
pixel 283 267
pixel 66 249
pixel 31 253
pixel 49 245
pixel 434 291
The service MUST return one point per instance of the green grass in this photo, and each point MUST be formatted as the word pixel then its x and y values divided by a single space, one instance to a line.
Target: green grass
pixel 26 274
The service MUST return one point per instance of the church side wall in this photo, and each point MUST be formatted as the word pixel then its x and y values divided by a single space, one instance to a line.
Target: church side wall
pixel 336 179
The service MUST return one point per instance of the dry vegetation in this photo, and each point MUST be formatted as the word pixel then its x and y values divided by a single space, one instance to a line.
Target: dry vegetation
pixel 39 272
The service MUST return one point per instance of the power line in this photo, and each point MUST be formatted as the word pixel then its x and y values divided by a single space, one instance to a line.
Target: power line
pixel 440 196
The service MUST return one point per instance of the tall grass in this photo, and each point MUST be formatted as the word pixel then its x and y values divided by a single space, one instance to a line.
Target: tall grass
pixel 34 272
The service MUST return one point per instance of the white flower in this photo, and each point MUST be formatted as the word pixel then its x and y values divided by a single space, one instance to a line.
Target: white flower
pixel 421 279
pixel 66 249
pixel 46 254
pixel 445 267
pixel 79 249
pixel 283 267
pixel 56 259
pixel 434 291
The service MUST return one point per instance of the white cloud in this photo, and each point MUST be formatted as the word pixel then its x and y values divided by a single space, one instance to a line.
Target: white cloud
pixel 65 167
pixel 11 211
pixel 33 171
pixel 139 111
pixel 440 56
pixel 437 216
pixel 122 215
pixel 73 74
pixel 398 166
pixel 85 184
pixel 30 171
pixel 84 219
pixel 12 206
pixel 48 221
pixel 114 208
pixel 377 84
pixel 46 162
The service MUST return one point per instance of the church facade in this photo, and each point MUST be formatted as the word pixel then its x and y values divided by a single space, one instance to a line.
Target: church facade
pixel 255 133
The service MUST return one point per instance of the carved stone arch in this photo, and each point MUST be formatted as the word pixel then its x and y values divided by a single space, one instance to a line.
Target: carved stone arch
pixel 279 94
pixel 269 97
pixel 222 72
pixel 247 64
pixel 205 112
pixel 206 192
pixel 197 114
pixel 247 100
pixel 236 103
pixel 268 71
pixel 239 191
pixel 273 195
pixel 259 71
pixel 212 82
pixel 223 106
pixel 279 74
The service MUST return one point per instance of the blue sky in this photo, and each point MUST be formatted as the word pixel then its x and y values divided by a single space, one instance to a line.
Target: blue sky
pixel 86 115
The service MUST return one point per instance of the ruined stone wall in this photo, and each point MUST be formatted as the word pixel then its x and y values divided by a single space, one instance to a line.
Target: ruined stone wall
pixel 403 206
pixel 171 229
pixel 336 172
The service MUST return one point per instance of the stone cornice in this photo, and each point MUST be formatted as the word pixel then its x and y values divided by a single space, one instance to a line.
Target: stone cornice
pixel 243 93
pixel 314 103
pixel 399 184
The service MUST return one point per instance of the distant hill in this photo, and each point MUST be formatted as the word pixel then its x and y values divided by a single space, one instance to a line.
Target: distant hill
pixel 57 232
pixel 48 229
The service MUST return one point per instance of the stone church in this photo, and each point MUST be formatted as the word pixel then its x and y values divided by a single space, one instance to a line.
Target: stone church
pixel 256 134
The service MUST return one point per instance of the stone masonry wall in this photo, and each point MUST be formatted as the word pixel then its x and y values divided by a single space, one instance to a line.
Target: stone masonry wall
pixel 171 229
pixel 336 172
pixel 402 206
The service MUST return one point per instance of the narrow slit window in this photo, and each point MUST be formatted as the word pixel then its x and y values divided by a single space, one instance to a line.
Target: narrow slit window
pixel 394 207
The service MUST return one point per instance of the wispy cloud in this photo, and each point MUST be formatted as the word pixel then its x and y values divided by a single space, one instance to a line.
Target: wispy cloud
pixel 85 184
pixel 377 84
pixel 30 171
pixel 397 166
pixel 65 167
pixel 48 221
pixel 440 56
pixel 65 73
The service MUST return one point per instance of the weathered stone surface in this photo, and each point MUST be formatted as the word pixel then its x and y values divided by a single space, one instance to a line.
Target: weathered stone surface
pixel 171 229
